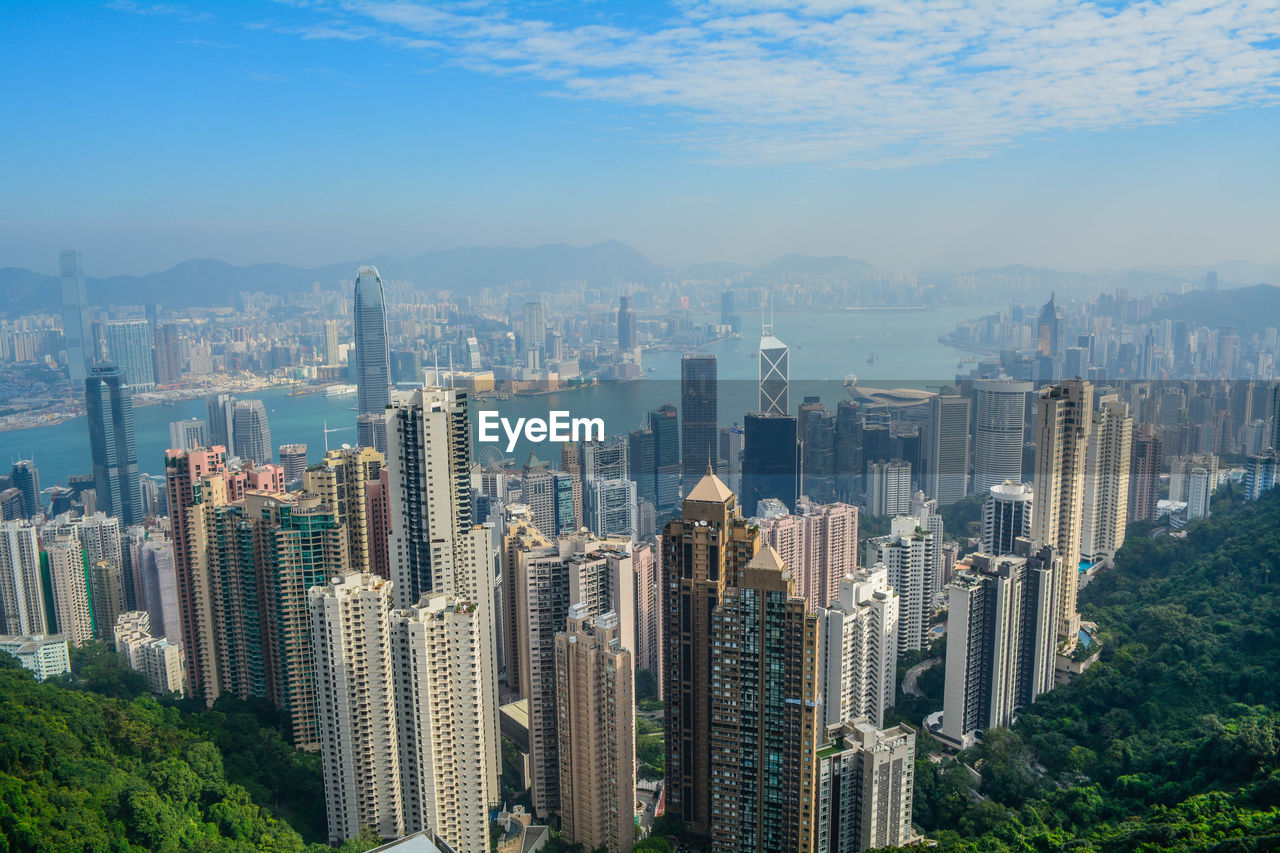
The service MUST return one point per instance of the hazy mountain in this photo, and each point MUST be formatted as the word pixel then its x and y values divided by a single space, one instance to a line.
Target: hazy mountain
pixel 1229 272
pixel 834 266
pixel 1251 309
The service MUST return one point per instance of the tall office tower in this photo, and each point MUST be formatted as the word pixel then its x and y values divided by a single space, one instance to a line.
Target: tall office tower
pixel 11 505
pixel 858 649
pixel 764 712
pixel 727 313
pixel 865 787
pixel 1106 481
pixel 1063 419
pixel 169 359
pixel 1001 638
pixel 293 459
pixel 699 439
pixel 571 466
pixel 220 410
pixel 534 327
pixel 356 703
pixel 817 432
pixel 128 344
pixel 69 583
pixel 157 582
pixel 25 477
pixel 640 463
pixel 775 374
pixel 109 406
pixel 373 358
pixel 1006 517
pixel 646 560
pixel 888 485
pixel 604 460
pixel 188 434
pixel 378 515
pixel 435 545
pixel 574 570
pixel 611 508
pixel 75 317
pixel 342 479
pixel 998 432
pixel 732 442
pixel 519 535
pixel 474 361
pixel 250 432
pixel 22 605
pixel 771 460
pixel 1050 331
pixel 819 544
pixel 908 555
pixel 665 425
pixel 946 450
pixel 1144 473
pixel 447 783
pixel 596 722
pixel 549 495
pixel 195 481
pixel 628 336
pixel 703 552
pixel 332 347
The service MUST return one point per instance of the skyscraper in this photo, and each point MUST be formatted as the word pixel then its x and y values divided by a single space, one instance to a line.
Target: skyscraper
pixel 646 561
pixel 1144 473
pixel 128 344
pixel 355 696
pixel 611 508
pixel 907 554
pixel 764 712
pixel 25 477
pixel 595 718
pixel 1063 421
pixel 775 374
pixel 169 360
pixel 109 406
pixel 448 782
pixel 664 423
pixel 1006 517
pixel 771 459
pixel 946 450
pixel 373 358
pixel 69 584
pixel 293 459
pixel 251 432
pixel 341 479
pixel 220 410
pixel 75 317
pixel 703 552
pixel 188 434
pixel 888 487
pixel 699 439
pixel 819 544
pixel 534 329
pixel 628 337
pixel 865 787
pixel 22 605
pixel 1001 639
pixel 1106 481
pixel 858 649
pixel 571 465
pixel 998 432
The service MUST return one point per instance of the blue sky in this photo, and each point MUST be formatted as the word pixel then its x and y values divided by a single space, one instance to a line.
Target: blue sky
pixel 910 133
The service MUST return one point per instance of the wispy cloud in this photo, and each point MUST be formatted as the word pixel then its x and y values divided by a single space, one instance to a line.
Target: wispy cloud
pixel 168 9
pixel 861 84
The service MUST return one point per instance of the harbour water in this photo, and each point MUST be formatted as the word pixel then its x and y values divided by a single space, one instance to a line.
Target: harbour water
pixel 825 348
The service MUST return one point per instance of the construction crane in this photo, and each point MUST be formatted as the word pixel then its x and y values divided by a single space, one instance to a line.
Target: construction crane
pixel 327 430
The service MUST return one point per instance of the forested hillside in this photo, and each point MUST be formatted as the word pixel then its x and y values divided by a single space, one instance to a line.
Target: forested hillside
pixel 1171 741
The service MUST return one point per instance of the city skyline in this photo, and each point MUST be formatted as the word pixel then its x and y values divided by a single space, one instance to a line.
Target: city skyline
pixel 681 130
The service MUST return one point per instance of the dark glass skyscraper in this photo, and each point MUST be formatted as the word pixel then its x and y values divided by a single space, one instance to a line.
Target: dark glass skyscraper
pixel 25 477
pixel 664 422
pixel 699 432
pixel 372 358
pixel 250 432
pixel 628 337
pixel 109 405
pixel 771 460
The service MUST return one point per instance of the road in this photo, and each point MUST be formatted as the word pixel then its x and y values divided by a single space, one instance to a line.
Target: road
pixel 909 681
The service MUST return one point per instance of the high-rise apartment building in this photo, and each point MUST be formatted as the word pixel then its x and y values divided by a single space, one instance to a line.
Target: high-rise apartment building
pixel 158 659
pixel 775 374
pixel 332 346
pixel 819 544
pixel 1144 473
pixel 1001 639
pixel 699 429
pixel 888 487
pixel 998 434
pixel 571 466
pixel 1106 481
pixel 188 434
pixel 128 344
pixel 596 727
pixel 549 495
pixel 703 553
pixel 156 583
pixel 372 358
pixel 341 479
pixel 764 712
pixel 1006 517
pixel 22 604
pixel 251 432
pixel 520 535
pixel 907 554
pixel 447 781
pixel 293 459
pixel 534 329
pixel 946 449
pixel 858 649
pixel 109 409
pixel 732 443
pixel 772 459
pixel 69 585
pixel 646 560
pixel 865 787
pixel 75 317
pixel 1063 420
pixel 356 704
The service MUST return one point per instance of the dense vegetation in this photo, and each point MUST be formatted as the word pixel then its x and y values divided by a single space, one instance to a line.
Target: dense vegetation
pixel 1172 740
pixel 92 763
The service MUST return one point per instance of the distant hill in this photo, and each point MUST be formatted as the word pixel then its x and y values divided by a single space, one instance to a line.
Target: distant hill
pixel 834 266
pixel 1229 273
pixel 1252 309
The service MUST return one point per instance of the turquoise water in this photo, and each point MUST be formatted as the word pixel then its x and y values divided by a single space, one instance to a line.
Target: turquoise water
pixel 824 349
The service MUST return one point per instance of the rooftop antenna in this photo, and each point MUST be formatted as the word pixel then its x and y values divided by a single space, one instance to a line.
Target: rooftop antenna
pixel 435 354
pixel 450 366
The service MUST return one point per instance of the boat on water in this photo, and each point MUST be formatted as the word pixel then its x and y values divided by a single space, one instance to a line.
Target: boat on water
pixel 339 390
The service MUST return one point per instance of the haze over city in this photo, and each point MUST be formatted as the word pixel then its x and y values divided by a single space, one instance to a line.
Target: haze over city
pixel 911 135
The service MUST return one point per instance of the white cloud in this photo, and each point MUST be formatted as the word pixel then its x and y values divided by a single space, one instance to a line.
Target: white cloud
pixel 869 84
